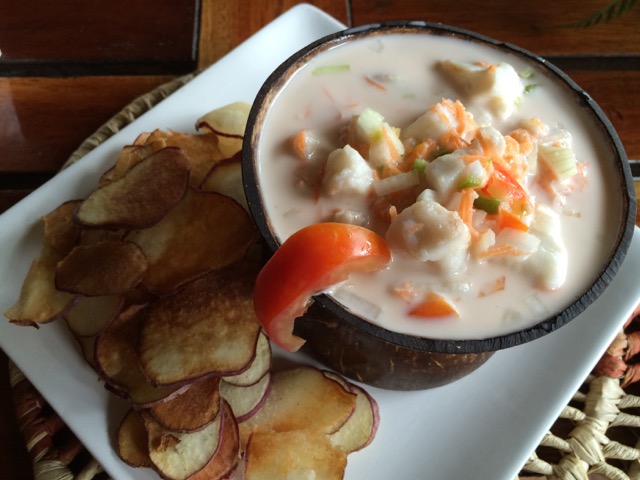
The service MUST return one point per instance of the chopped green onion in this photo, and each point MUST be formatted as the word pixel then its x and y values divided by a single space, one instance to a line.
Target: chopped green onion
pixel 530 88
pixel 490 205
pixel 526 73
pixel 330 69
pixel 395 183
pixel 419 165
pixel 561 160
pixel 471 181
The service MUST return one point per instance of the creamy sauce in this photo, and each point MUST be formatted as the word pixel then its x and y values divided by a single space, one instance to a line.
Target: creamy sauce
pixel 326 102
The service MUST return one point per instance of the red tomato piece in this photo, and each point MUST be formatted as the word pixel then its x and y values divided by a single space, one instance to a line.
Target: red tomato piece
pixel 310 261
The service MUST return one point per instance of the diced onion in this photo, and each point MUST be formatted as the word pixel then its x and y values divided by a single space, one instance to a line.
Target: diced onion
pixel 561 160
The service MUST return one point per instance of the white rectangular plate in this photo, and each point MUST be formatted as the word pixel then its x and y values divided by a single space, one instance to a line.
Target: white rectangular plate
pixel 484 426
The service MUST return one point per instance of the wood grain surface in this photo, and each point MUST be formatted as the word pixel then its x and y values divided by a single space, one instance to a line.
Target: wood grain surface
pixel 67 66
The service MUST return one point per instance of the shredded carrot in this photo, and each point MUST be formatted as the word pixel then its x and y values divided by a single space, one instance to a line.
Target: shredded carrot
pixel 395 154
pixel 461 116
pixel 421 150
pixel 465 209
pixel 434 306
pixel 375 84
pixel 502 251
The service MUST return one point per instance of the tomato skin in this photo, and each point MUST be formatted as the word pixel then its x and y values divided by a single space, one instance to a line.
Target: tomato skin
pixel 308 262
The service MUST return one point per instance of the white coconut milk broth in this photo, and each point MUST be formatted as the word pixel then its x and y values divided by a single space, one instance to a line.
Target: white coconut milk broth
pixel 324 103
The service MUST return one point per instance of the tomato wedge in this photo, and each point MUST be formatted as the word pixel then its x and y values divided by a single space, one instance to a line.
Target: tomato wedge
pixel 308 262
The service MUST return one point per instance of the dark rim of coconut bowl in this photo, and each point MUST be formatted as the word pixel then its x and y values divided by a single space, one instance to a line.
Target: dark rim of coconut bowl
pixel 251 185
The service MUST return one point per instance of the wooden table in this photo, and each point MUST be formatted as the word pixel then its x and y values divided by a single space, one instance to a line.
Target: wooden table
pixel 70 65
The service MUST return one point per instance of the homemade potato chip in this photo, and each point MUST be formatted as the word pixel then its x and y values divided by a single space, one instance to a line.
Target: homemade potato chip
pixel 90 315
pixel 259 367
pixel 141 197
pixel 360 428
pixel 204 232
pixel 191 410
pixel 207 327
pixel 296 454
pixel 129 157
pixel 209 453
pixel 103 268
pixel 245 401
pixel 39 300
pixel 301 398
pixel 60 232
pixel 200 149
pixel 116 361
pixel 228 123
pixel 132 440
pixel 226 177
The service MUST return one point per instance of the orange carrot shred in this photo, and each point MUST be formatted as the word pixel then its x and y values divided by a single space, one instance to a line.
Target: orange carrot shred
pixel 375 84
pixel 465 209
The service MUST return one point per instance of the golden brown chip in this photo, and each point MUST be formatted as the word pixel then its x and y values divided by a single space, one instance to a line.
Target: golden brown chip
pixel 301 398
pixel 178 455
pixel 141 197
pixel 200 149
pixel 295 454
pixel 90 315
pixel 207 327
pixel 116 360
pixel 132 441
pixel 191 410
pixel 104 268
pixel 60 232
pixel 226 178
pixel 39 300
pixel 246 400
pixel 204 232
pixel 129 157
pixel 228 123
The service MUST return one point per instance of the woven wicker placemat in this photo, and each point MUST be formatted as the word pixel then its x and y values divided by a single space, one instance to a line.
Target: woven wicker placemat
pixel 596 436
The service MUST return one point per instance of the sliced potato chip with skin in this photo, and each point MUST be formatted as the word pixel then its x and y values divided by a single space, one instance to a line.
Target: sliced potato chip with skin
pixel 204 232
pixel 301 398
pixel 90 315
pixel 141 197
pixel 60 231
pixel 228 123
pixel 191 410
pixel 116 361
pixel 226 177
pixel 200 149
pixel 132 440
pixel 208 327
pixel 129 157
pixel 298 454
pixel 39 301
pixel 259 367
pixel 209 453
pixel 108 267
